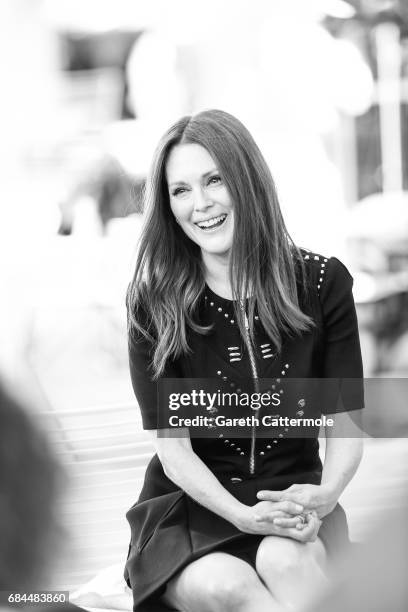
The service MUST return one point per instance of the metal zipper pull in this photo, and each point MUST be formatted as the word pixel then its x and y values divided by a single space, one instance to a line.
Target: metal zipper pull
pixel 256 385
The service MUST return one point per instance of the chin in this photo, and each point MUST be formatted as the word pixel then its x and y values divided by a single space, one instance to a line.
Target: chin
pixel 222 250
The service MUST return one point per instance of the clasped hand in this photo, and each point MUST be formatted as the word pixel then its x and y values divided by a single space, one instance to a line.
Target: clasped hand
pixel 285 519
pixel 295 512
pixel 318 498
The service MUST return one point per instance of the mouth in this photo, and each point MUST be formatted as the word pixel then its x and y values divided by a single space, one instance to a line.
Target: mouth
pixel 211 224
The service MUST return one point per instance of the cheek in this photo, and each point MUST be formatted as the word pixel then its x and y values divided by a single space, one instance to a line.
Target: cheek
pixel 180 210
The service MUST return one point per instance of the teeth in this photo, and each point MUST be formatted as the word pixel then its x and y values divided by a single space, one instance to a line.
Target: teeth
pixel 212 222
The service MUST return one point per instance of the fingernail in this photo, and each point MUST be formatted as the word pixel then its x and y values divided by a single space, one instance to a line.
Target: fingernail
pixel 260 494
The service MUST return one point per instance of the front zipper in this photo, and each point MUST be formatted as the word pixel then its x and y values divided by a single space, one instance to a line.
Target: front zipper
pixel 256 385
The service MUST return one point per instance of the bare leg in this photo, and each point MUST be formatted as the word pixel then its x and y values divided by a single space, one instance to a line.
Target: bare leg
pixel 292 571
pixel 219 582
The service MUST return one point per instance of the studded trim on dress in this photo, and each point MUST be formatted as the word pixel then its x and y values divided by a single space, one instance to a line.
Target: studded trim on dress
pixel 322 262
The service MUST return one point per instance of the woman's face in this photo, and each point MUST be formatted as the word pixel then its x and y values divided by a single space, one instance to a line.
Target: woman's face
pixel 199 199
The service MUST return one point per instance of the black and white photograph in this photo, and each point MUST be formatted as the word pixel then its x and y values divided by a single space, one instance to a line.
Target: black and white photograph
pixel 204 305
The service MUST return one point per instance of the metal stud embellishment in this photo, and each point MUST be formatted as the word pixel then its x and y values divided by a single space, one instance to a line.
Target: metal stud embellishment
pixel 266 351
pixel 321 273
pixel 219 309
pixel 267 447
pixel 322 263
pixel 211 423
pixel 279 381
pixel 224 378
pixel 234 353
pixel 286 367
pixel 302 403
pixel 234 446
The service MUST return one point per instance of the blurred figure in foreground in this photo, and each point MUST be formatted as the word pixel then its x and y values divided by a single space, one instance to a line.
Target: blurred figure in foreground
pixel 30 482
pixel 374 577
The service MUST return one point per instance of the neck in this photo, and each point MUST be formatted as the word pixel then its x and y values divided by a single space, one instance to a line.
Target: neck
pixel 216 274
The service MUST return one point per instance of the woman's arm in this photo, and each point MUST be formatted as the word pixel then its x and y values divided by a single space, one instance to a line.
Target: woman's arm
pixel 183 466
pixel 344 449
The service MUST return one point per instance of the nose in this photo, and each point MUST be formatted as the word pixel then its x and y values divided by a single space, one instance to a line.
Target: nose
pixel 201 200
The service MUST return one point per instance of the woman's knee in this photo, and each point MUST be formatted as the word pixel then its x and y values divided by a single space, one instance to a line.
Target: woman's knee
pixel 216 582
pixel 281 557
pixel 233 592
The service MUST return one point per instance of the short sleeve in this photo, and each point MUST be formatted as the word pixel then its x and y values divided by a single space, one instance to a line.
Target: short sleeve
pixel 141 374
pixel 342 353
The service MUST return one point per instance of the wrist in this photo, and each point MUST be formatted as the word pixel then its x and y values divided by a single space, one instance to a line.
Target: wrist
pixel 332 490
pixel 242 517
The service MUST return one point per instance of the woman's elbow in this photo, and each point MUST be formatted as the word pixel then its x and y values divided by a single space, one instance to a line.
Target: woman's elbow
pixel 172 457
pixel 167 470
pixel 359 449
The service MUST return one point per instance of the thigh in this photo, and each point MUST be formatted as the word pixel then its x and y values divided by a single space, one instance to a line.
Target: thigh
pixel 206 583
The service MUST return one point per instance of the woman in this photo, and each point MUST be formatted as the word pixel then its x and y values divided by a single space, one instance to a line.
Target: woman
pixel 221 291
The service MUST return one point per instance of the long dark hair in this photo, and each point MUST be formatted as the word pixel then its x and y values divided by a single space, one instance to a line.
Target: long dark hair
pixel 169 275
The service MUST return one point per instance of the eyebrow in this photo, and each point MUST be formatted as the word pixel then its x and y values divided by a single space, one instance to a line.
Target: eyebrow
pixel 204 176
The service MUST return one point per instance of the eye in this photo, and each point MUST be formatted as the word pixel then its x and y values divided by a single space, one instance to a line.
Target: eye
pixel 214 180
pixel 178 191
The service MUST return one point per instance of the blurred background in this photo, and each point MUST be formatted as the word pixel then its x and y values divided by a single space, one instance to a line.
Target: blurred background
pixel 88 86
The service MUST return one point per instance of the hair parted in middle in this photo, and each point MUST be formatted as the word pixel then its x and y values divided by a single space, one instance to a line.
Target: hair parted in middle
pixel 169 278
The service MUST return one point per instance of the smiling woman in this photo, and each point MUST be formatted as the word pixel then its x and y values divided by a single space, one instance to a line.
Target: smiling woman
pixel 204 166
pixel 220 291
pixel 199 199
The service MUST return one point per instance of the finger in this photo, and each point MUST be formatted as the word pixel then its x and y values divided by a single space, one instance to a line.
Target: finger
pixel 295 534
pixel 289 522
pixel 311 517
pixel 272 515
pixel 290 507
pixel 281 514
pixel 307 528
pixel 310 531
pixel 295 487
pixel 270 495
pixel 267 516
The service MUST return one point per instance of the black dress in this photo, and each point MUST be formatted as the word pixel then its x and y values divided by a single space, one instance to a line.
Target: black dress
pixel 169 529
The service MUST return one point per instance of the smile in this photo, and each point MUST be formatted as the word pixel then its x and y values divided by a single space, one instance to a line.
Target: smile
pixel 215 222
